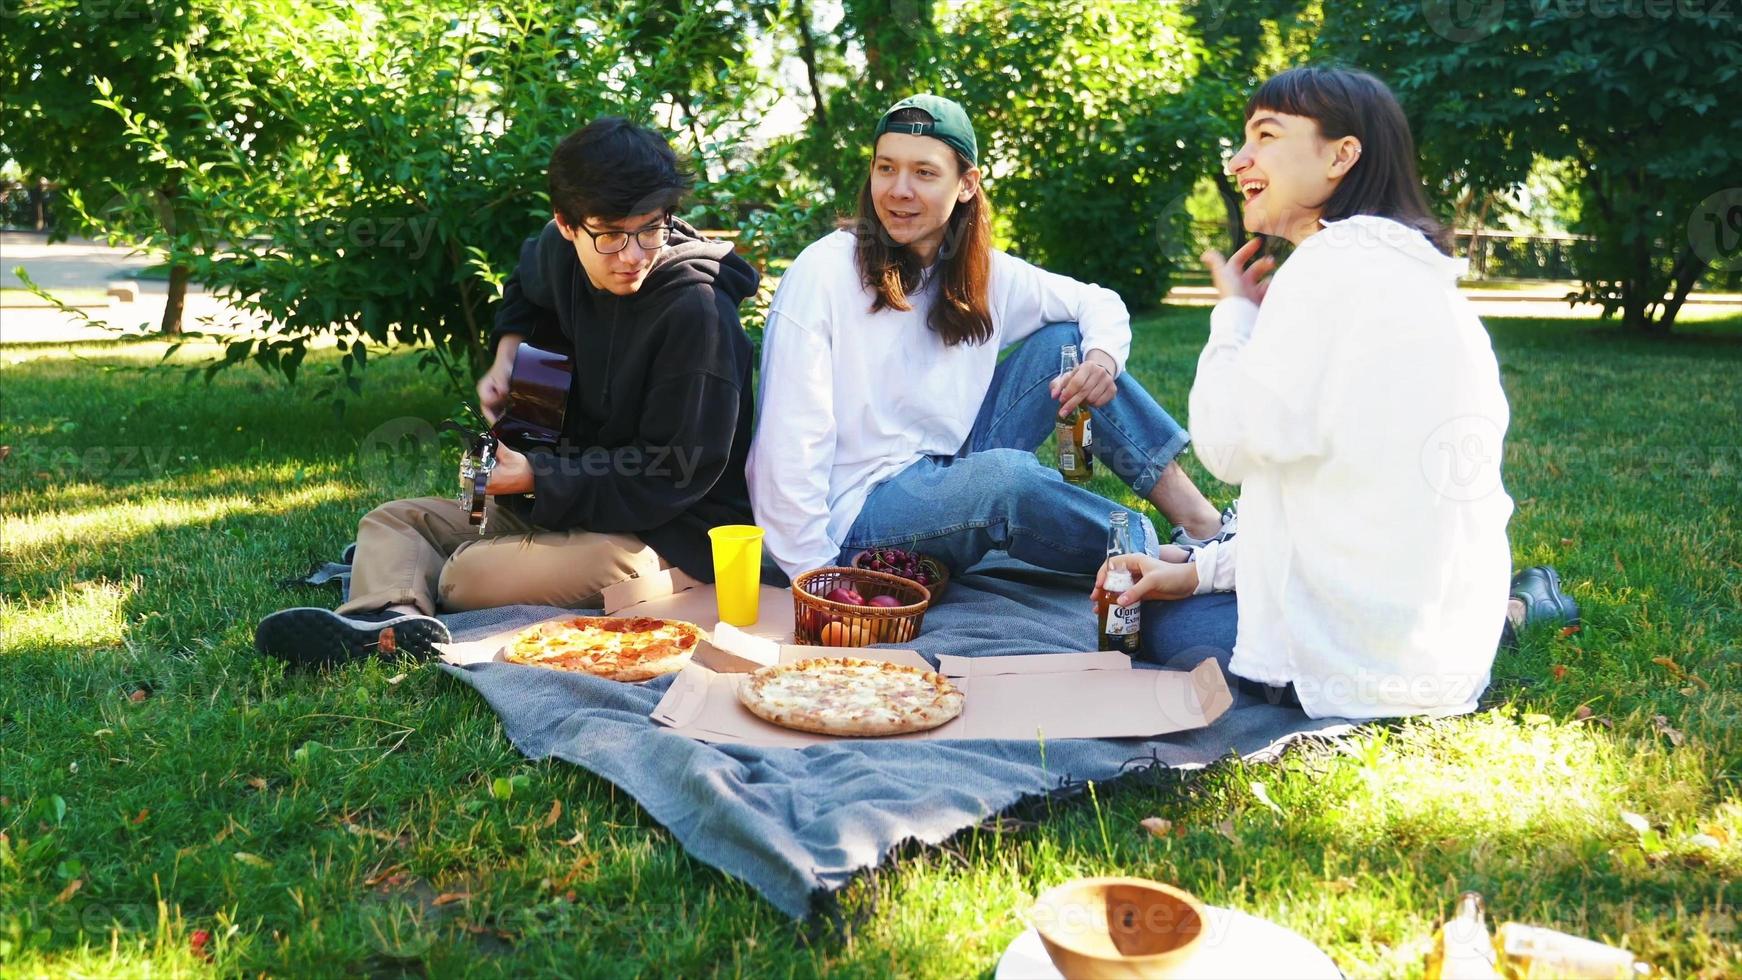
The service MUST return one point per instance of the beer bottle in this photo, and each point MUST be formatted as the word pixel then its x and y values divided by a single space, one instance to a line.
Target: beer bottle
pixel 1463 950
pixel 1075 462
pixel 1118 624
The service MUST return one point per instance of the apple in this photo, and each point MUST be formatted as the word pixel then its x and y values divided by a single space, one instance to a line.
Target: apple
pixel 885 601
pixel 845 595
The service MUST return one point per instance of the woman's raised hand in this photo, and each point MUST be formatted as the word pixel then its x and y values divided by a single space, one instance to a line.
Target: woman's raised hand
pixel 1238 275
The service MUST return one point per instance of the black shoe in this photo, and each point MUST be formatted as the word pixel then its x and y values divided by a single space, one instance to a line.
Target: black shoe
pixel 1539 588
pixel 308 637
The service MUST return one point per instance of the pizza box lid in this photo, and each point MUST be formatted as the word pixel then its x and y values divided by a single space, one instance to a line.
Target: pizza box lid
pixel 666 594
pixel 1045 696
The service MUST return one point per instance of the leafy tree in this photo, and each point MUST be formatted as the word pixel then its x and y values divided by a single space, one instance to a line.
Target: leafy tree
pixel 1634 95
pixel 68 68
pixel 1088 131
pixel 415 160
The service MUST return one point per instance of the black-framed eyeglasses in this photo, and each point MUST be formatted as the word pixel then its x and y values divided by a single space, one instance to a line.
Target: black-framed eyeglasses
pixel 611 242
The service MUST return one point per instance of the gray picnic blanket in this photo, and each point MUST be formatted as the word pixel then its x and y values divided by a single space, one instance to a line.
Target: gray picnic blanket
pixel 799 824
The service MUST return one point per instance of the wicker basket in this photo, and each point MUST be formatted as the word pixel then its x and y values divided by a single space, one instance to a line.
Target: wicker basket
pixel 823 623
pixel 940 574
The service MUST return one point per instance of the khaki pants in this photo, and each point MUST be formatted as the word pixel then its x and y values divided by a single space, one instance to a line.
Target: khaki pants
pixel 423 553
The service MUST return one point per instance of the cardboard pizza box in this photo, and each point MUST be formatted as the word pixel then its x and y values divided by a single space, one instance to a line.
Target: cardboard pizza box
pixel 666 594
pixel 1044 696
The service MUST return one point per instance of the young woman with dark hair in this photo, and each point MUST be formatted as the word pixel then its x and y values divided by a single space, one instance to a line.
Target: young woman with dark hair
pixel 1356 400
pixel 886 416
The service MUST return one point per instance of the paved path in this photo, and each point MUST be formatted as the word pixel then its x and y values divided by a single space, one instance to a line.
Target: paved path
pixel 87 266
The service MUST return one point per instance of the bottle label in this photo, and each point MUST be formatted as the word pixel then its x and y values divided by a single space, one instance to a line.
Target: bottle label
pixel 1123 620
pixel 1088 435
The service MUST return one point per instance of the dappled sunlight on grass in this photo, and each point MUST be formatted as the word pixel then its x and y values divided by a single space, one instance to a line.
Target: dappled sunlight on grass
pixel 110 523
pixel 83 614
pixel 1484 776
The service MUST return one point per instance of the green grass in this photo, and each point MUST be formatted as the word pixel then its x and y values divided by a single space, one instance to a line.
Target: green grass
pixel 156 778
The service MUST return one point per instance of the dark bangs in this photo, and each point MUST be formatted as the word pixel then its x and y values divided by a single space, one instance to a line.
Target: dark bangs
pixel 1344 102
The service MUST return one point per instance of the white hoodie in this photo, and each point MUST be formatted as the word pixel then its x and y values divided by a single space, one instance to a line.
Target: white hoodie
pixel 1361 413
pixel 850 398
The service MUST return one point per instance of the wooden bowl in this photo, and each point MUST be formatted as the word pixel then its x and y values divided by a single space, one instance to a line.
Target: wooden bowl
pixel 1118 928
pixel 821 622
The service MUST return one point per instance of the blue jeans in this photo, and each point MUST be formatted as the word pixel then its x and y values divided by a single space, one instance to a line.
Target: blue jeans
pixel 1179 634
pixel 995 495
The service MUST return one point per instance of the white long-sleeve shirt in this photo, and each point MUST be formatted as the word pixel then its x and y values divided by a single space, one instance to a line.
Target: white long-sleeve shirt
pixel 850 398
pixel 1361 413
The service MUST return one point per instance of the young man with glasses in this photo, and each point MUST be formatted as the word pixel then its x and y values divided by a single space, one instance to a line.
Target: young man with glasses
pixel 655 437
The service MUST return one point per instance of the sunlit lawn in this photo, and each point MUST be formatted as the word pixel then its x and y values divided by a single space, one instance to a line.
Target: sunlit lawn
pixel 156 778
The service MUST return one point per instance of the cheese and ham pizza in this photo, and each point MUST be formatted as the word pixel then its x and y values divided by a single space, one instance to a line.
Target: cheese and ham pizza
pixel 613 647
pixel 849 696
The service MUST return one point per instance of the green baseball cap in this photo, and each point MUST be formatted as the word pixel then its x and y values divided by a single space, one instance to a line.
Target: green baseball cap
pixel 949 124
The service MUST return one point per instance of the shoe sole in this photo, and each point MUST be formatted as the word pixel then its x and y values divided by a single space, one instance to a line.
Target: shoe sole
pixel 311 637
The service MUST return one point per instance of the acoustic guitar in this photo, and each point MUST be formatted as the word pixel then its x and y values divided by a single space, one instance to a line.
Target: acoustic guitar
pixel 538 399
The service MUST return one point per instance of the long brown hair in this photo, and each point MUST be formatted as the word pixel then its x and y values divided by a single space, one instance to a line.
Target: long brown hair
pixel 963 310
pixel 1348 102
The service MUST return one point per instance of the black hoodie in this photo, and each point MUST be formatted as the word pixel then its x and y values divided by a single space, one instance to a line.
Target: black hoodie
pixel 659 416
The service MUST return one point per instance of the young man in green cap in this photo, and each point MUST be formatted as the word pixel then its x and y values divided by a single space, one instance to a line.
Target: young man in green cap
pixel 886 416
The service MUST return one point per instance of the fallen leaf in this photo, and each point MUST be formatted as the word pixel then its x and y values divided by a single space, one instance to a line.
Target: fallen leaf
pixel 1689 691
pixel 1716 831
pixel 1226 829
pixel 1558 670
pixel 1670 665
pixel 1264 798
pixel 556 811
pixel 139 818
pixel 396 678
pixel 258 783
pixel 1157 826
pixel 363 831
pixel 1700 682
pixel 387 875
pixel 1582 712
pixel 572 841
pixel 1340 885
pixel 252 860
pixel 1570 630
pixel 197 943
pixel 137 695
pixel 69 891
pixel 448 898
pixel 1705 840
pixel 1566 542
pixel 1639 824
pixel 1661 723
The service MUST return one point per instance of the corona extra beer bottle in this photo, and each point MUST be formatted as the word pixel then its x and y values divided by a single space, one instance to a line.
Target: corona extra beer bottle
pixel 1119 625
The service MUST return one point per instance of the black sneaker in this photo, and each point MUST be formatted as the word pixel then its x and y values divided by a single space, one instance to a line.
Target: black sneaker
pixel 1539 588
pixel 309 637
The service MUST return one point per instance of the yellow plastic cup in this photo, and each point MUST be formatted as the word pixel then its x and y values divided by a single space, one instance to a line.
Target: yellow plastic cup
pixel 738 572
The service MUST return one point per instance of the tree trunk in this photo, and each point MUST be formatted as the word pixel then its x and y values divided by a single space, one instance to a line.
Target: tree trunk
pixel 1236 225
pixel 178 291
pixel 1689 267
pixel 808 52
pixel 39 202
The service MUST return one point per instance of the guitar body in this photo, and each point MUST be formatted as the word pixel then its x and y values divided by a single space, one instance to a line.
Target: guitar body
pixel 538 400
